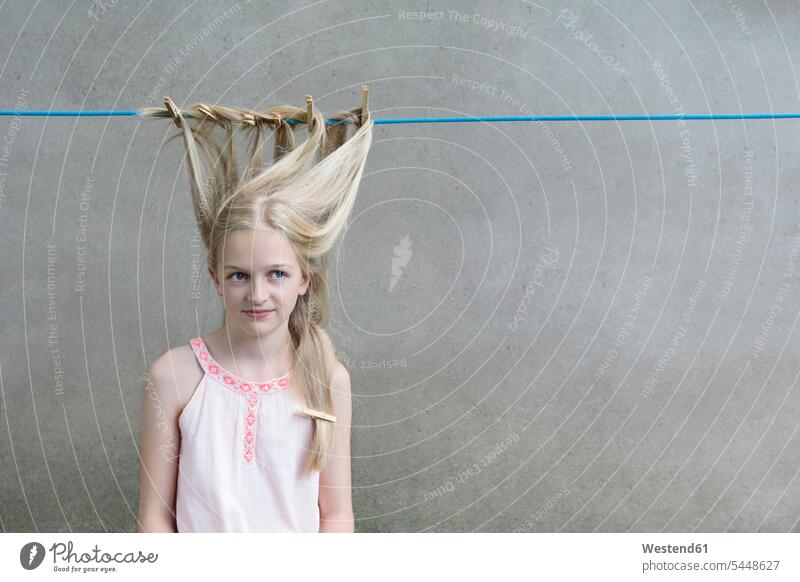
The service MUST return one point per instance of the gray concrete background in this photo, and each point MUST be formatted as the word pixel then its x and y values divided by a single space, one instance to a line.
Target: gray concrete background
pixel 595 328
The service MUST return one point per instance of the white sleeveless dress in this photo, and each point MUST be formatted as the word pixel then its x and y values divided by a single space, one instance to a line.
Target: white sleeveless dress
pixel 244 447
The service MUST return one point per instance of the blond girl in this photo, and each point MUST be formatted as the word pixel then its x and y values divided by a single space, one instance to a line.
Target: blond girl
pixel 248 428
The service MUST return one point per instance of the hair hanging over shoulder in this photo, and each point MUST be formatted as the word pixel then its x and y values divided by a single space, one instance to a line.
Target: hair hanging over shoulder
pixel 306 193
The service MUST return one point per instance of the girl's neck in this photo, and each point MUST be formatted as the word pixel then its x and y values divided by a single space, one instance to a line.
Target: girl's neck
pixel 272 351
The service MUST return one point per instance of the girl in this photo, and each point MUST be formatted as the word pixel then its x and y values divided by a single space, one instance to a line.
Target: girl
pixel 248 429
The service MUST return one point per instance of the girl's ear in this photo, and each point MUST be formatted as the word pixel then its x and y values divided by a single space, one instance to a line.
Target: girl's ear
pixel 306 283
pixel 216 281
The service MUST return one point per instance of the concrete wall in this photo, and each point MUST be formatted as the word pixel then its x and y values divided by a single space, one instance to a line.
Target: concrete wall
pixel 595 325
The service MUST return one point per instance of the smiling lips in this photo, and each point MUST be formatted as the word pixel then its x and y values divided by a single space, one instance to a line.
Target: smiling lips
pixel 258 313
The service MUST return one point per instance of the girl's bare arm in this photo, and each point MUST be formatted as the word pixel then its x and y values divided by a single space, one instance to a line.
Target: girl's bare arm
pixel 160 445
pixel 335 499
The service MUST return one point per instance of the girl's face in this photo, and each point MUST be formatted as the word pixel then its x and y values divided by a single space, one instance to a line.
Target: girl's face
pixel 258 270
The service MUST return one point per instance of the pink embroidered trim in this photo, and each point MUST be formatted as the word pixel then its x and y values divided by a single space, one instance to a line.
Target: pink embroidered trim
pixel 250 390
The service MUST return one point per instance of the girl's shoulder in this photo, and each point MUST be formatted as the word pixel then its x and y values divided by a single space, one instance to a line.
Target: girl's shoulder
pixel 177 371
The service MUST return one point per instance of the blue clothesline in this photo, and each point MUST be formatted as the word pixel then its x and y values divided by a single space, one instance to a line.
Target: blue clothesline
pixel 711 116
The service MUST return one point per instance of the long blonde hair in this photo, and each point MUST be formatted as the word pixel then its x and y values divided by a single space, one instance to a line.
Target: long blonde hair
pixel 307 193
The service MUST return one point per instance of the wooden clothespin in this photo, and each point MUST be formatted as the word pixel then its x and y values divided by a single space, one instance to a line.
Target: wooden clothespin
pixel 249 118
pixel 310 112
pixel 364 103
pixel 207 110
pixel 318 414
pixel 173 110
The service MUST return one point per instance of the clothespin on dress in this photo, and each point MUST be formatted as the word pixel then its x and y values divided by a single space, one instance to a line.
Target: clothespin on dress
pixel 318 414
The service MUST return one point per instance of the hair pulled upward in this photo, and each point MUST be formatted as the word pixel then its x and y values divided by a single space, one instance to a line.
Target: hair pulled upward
pixel 307 193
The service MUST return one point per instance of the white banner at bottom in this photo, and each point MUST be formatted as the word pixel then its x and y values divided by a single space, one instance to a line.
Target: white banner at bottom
pixel 401 556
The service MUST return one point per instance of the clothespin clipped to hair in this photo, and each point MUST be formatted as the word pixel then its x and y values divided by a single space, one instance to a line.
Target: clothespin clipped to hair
pixel 207 110
pixel 173 110
pixel 310 112
pixel 249 118
pixel 364 103
pixel 318 414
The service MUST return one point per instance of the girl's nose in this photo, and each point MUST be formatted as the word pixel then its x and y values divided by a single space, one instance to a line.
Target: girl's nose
pixel 258 292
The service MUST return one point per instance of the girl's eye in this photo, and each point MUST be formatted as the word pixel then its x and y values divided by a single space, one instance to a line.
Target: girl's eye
pixel 232 275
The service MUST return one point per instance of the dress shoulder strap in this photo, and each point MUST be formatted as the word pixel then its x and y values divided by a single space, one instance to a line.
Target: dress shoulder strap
pixel 200 352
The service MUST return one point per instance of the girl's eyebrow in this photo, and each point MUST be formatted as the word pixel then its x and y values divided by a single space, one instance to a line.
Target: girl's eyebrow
pixel 269 266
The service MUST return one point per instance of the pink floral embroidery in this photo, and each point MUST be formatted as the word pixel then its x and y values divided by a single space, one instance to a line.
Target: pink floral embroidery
pixel 226 378
pixel 250 437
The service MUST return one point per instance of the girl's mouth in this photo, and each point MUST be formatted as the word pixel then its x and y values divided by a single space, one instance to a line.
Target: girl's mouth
pixel 259 313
